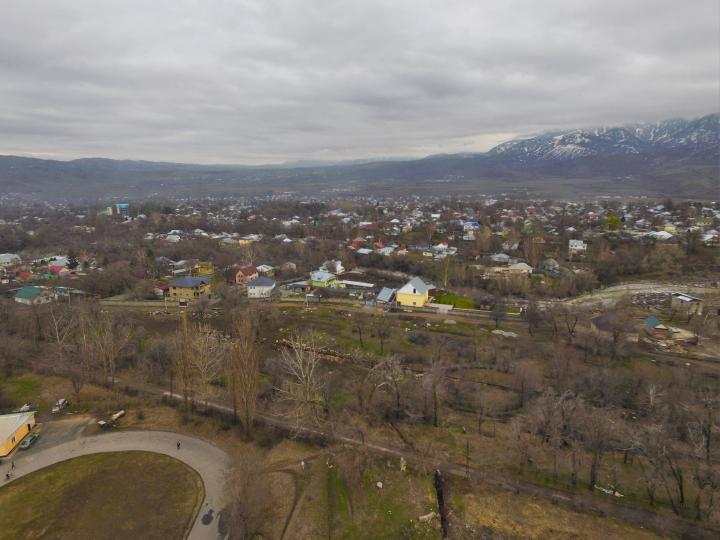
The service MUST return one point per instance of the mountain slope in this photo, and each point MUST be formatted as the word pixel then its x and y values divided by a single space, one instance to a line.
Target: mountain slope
pixel 699 135
pixel 669 158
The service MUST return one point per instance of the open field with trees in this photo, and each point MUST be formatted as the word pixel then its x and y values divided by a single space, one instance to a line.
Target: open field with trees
pixel 541 393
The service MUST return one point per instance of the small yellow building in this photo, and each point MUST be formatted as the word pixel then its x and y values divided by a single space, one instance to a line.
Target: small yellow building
pixel 204 268
pixel 414 293
pixel 13 429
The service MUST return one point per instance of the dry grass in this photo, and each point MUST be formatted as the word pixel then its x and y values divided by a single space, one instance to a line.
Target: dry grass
pixel 507 514
pixel 103 496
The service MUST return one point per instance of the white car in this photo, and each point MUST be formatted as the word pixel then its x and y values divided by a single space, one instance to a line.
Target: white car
pixel 60 405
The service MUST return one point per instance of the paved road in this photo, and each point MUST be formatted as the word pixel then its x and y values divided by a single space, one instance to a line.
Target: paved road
pixel 60 430
pixel 208 460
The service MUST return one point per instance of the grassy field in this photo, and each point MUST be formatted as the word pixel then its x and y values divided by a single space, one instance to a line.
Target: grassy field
pixel 103 496
pixel 495 513
pixel 44 391
pixel 342 502
pixel 456 300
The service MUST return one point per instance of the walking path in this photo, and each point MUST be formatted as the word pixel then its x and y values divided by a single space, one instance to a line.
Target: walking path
pixel 661 522
pixel 209 461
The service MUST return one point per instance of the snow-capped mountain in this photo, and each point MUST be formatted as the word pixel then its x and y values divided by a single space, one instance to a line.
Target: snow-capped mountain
pixel 700 134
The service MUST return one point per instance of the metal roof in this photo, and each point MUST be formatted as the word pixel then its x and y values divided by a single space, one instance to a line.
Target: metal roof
pixel 262 281
pixel 9 423
pixel 188 282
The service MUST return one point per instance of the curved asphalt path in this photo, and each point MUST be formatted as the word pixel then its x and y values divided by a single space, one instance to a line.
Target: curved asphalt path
pixel 209 461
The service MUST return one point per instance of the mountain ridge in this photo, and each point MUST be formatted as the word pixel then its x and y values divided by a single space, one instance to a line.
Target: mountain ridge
pixel 672 157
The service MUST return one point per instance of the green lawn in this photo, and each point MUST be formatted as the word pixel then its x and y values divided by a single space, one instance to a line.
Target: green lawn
pixel 462 302
pixel 41 390
pixel 23 389
pixel 103 496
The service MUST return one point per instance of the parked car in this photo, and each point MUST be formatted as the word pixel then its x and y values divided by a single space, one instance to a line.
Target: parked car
pixel 29 441
pixel 61 404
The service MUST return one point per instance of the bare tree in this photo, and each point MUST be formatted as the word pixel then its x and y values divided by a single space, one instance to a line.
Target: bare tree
pixel 359 323
pixel 548 423
pixel 78 365
pixel 533 315
pixel 251 506
pixel 205 360
pixel 109 337
pixel 597 429
pixel 302 386
pixel 182 366
pixel 521 444
pixel 382 331
pixel 387 375
pixel 660 460
pixel 434 380
pixel 703 423
pixel 244 372
pixel 61 324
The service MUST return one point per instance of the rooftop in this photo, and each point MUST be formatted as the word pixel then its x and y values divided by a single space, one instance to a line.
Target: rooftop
pixel 9 423
pixel 415 286
pixel 188 282
pixel 262 281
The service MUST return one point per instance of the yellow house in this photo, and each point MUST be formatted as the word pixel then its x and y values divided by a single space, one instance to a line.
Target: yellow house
pixel 204 268
pixel 414 293
pixel 190 288
pixel 13 428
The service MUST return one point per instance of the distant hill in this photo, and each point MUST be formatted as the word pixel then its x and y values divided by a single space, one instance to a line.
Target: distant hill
pixel 690 136
pixel 669 158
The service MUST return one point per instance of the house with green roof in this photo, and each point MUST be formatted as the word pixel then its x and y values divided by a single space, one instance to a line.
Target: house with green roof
pixel 32 295
pixel 656 328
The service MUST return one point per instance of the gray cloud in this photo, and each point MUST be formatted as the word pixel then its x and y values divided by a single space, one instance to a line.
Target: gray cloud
pixel 265 81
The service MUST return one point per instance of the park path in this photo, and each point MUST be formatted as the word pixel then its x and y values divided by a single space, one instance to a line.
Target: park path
pixel 209 461
pixel 580 501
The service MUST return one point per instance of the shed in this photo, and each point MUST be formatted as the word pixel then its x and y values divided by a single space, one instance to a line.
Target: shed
pixel 13 429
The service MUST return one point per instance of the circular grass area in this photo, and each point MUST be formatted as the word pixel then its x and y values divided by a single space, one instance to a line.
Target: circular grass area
pixel 103 496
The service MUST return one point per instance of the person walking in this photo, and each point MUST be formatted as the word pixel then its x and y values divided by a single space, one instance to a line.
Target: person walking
pixel 178 445
pixel 12 465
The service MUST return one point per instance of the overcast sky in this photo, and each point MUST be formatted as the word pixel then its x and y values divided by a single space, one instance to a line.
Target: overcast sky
pixel 264 81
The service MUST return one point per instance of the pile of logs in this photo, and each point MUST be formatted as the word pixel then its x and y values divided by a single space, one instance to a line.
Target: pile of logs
pixel 326 353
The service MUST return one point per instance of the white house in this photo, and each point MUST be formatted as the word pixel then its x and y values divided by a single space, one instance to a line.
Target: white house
pixel 334 267
pixel 8 259
pixel 520 268
pixel 261 287
pixel 500 258
pixel 576 248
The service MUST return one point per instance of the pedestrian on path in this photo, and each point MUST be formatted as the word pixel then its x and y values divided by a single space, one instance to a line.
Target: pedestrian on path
pixel 12 465
pixel 178 445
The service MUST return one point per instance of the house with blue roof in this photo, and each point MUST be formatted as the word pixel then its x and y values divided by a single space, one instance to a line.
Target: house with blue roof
pixel 386 295
pixel 261 287
pixel 190 288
